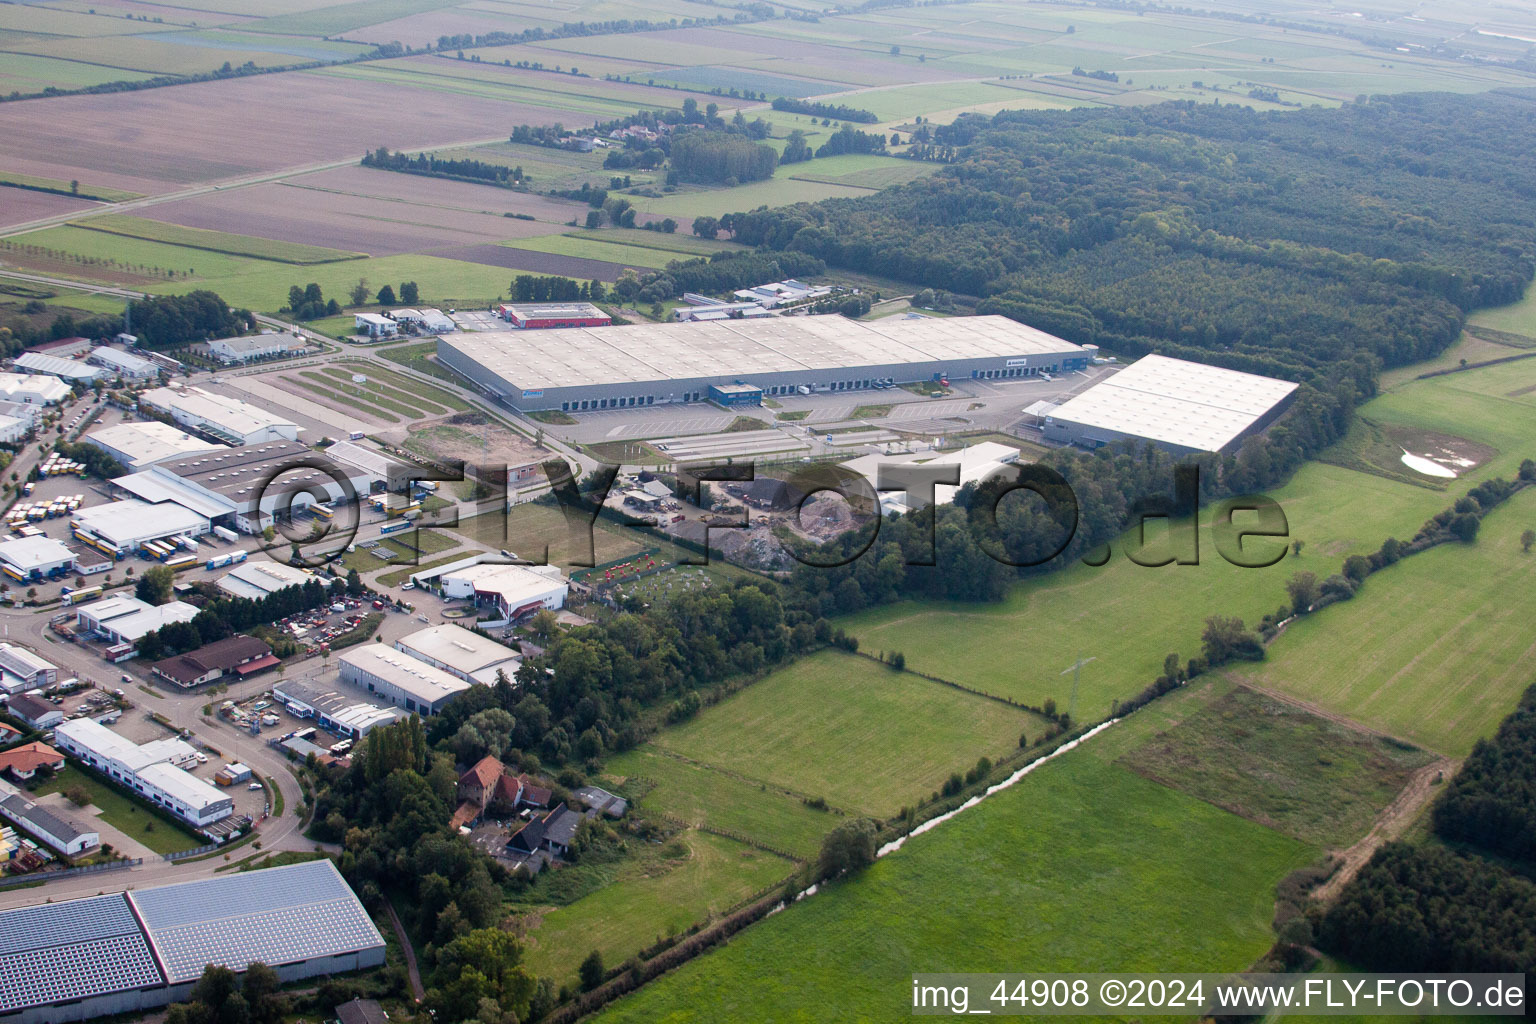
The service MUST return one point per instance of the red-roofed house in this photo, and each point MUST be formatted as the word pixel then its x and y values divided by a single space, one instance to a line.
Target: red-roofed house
pixel 24 761
pixel 478 785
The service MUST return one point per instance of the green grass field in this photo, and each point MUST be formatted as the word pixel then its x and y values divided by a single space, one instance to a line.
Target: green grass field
pixel 865 737
pixel 1437 649
pixel 695 876
pixel 1280 766
pixel 1128 617
pixel 87 190
pixel 215 241
pixel 702 796
pixel 124 814
pixel 1081 866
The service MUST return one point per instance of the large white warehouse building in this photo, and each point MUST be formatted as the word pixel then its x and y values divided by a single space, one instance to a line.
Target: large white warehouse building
pixel 151 769
pixel 400 678
pixel 589 368
pixel 1178 405
pixel 220 416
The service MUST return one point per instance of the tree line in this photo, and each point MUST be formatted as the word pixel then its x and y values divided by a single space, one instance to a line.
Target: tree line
pixel 1285 244
pixel 433 166
pixel 168 321
pixel 835 111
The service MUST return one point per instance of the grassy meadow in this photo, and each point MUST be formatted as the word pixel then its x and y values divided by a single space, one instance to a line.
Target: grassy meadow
pixel 864 737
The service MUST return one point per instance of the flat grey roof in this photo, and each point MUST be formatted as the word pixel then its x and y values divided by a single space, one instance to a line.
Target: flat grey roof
pixel 1176 402
pixel 277 916
pixel 638 353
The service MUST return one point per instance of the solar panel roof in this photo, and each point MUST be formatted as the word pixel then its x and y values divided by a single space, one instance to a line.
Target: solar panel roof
pixel 73 950
pixel 277 916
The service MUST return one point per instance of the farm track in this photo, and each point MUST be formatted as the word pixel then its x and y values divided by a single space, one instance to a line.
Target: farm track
pixel 1391 823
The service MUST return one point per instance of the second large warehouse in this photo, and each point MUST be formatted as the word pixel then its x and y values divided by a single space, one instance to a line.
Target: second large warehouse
pixel 1178 405
pixel 583 369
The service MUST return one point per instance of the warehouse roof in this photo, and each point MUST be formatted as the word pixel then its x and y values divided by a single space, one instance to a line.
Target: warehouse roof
pixel 72 369
pixel 277 916
pixel 1176 402
pixel 55 952
pixel 182 785
pixel 126 522
pixel 131 618
pixel 256 580
pixel 422 681
pixel 51 388
pixel 341 708
pixel 28 553
pixel 739 348
pixel 150 441
pixel 230 414
pixel 240 473
pixel 552 310
pixel 465 651
pixel 371 461
pixel 123 361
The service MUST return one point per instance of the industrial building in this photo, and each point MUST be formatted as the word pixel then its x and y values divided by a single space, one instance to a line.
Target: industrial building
pixel 399 678
pixel 14 429
pixel 125 619
pixel 656 364
pixel 125 364
pixel 150 769
pixel 220 417
pixel 128 952
pixel 256 580
pixel 34 557
pixel 375 326
pixel 137 445
pixel 242 656
pixel 244 487
pixel 1180 406
pixel 974 463
pixel 462 652
pixel 430 321
pixel 34 389
pixel 232 351
pixel 513 590
pixel 31 669
pixel 333 709
pixel 121 527
pixel 545 315
pixel 71 370
pixel 56 828
pixel 379 469
pixel 34 711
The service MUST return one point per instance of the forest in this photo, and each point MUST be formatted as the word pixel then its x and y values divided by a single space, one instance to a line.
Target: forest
pixel 721 158
pixel 1284 244
pixel 166 321
pixel 1491 804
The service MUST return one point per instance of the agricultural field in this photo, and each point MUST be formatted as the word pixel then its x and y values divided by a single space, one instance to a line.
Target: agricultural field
pixel 1128 617
pixel 1085 866
pixel 866 738
pixel 696 795
pixel 215 241
pixel 695 876
pixel 1435 650
pixel 1281 766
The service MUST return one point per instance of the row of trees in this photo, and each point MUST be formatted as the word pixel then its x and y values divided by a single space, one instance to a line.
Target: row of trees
pixel 720 274
pixel 224 616
pixel 531 288
pixel 433 166
pixel 1179 228
pixel 835 111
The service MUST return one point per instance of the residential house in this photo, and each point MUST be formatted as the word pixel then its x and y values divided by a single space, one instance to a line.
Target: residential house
pixel 23 762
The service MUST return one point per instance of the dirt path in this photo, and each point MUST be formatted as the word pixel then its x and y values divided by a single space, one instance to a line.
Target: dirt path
pixel 1398 815
pixel 410 952
pixel 1312 709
